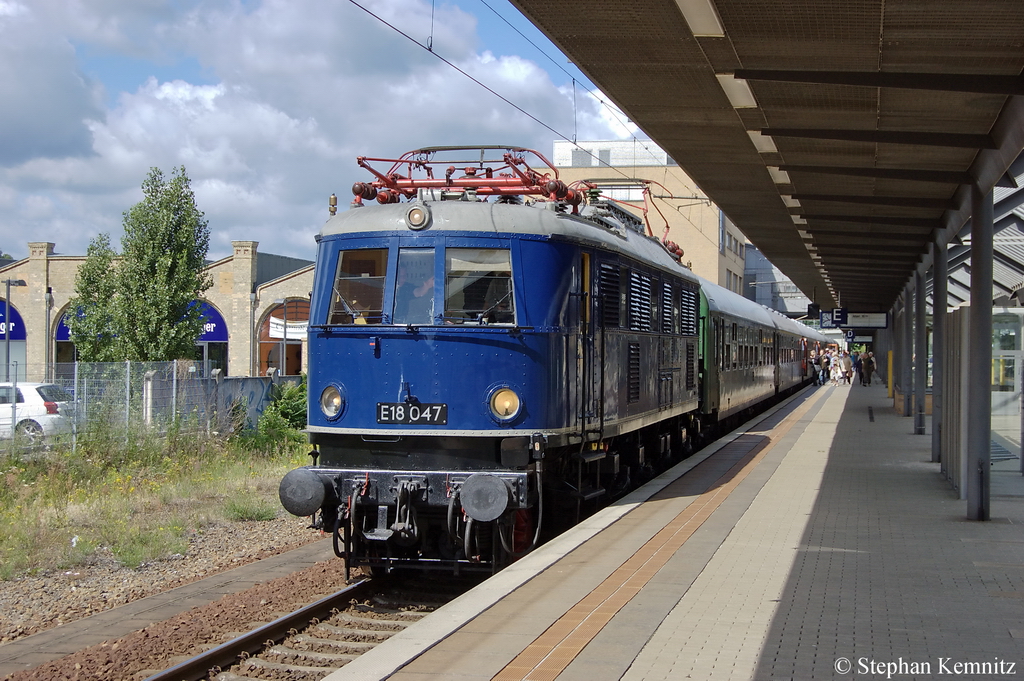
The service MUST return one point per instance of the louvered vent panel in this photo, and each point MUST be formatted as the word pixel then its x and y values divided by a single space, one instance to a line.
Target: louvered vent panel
pixel 667 308
pixel 633 381
pixel 688 308
pixel 639 301
pixel 691 366
pixel 608 280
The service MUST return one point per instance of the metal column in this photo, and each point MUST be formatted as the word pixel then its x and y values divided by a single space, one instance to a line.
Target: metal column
pixel 920 353
pixel 906 337
pixel 939 301
pixel 979 363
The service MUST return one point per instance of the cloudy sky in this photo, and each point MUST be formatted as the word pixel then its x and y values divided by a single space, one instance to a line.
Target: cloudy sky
pixel 265 102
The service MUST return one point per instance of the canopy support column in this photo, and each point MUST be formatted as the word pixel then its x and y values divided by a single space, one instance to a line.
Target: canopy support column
pixel 920 353
pixel 940 273
pixel 979 363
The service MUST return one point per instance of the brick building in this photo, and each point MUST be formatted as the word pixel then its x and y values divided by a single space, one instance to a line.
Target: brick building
pixel 252 296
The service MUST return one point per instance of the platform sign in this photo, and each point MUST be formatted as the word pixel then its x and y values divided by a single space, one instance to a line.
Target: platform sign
pixel 850 335
pixel 839 316
pixel 868 320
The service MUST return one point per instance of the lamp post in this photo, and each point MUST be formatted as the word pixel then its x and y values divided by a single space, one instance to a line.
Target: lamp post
pixel 254 354
pixel 284 335
pixel 7 324
pixel 48 298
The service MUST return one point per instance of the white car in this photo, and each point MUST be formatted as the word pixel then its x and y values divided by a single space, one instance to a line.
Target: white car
pixel 38 409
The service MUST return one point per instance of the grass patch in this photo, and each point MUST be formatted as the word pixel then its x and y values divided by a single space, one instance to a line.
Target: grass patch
pixel 250 508
pixel 137 496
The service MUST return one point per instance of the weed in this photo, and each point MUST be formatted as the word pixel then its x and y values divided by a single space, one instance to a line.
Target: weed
pixel 137 492
pixel 248 508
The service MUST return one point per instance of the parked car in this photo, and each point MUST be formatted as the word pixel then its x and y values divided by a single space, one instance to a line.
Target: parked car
pixel 39 410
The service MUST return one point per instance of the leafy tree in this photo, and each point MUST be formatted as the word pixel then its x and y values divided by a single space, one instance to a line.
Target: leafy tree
pixel 161 274
pixel 140 305
pixel 91 319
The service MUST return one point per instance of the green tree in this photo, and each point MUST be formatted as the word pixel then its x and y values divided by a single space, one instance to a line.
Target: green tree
pixel 162 271
pixel 141 305
pixel 90 320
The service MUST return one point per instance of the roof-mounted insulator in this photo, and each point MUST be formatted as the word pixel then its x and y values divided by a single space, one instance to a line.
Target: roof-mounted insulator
pixel 556 189
pixel 362 190
pixel 574 198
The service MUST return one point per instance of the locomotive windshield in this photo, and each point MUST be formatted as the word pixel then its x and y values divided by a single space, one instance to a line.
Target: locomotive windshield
pixel 359 287
pixel 478 286
pixel 414 292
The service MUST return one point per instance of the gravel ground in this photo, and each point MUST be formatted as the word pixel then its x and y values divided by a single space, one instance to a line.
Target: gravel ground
pixel 140 654
pixel 32 604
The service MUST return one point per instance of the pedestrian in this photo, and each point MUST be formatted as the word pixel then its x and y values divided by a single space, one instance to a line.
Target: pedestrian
pixel 867 367
pixel 823 376
pixel 837 369
pixel 857 365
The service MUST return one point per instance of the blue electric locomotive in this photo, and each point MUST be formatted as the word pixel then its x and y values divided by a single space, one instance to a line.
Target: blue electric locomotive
pixel 493 356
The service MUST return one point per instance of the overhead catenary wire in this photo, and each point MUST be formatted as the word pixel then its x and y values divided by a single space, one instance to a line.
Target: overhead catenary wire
pixel 475 80
pixel 615 113
pixel 429 48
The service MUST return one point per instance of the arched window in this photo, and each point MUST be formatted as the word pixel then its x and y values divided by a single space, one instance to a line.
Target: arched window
pixel 281 335
pixel 212 343
pixel 12 344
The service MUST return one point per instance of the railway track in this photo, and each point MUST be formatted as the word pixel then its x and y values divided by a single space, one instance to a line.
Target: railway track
pixel 313 641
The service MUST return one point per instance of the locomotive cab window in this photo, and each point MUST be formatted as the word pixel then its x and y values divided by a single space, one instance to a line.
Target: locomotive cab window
pixel 478 286
pixel 414 292
pixel 359 287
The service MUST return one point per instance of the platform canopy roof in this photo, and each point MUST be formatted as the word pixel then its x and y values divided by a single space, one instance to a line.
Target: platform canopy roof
pixel 841 137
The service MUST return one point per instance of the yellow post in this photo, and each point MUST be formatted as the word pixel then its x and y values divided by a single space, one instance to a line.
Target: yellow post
pixel 888 376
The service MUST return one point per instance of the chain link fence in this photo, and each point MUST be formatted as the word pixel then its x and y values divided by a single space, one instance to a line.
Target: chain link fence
pixel 127 396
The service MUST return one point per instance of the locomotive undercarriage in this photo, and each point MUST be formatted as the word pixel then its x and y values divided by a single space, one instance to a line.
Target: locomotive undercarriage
pixel 475 520
pixel 450 520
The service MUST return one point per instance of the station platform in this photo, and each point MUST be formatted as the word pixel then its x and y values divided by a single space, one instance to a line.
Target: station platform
pixel 817 542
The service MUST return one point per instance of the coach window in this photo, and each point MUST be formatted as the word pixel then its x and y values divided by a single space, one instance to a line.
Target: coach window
pixel 478 286
pixel 359 287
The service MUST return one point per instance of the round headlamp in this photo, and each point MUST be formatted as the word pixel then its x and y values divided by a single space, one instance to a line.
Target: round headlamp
pixel 331 402
pixel 505 404
pixel 417 217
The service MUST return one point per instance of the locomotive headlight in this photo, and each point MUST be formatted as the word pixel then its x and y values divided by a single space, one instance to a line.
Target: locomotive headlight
pixel 417 217
pixel 505 404
pixel 331 402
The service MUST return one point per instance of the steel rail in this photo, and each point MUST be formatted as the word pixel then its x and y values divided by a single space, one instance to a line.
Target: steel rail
pixel 227 654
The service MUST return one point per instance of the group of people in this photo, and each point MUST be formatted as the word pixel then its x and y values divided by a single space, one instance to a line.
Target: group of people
pixel 840 367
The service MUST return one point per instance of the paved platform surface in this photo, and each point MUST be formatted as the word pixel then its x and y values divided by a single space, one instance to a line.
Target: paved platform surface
pixel 821 543
pixel 55 643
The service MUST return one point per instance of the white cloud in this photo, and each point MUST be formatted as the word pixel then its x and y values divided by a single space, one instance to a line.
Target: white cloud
pixel 299 90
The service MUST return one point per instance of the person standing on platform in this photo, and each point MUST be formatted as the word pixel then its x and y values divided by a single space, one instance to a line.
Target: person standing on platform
pixel 857 358
pixel 823 365
pixel 847 367
pixel 867 365
pixel 836 366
